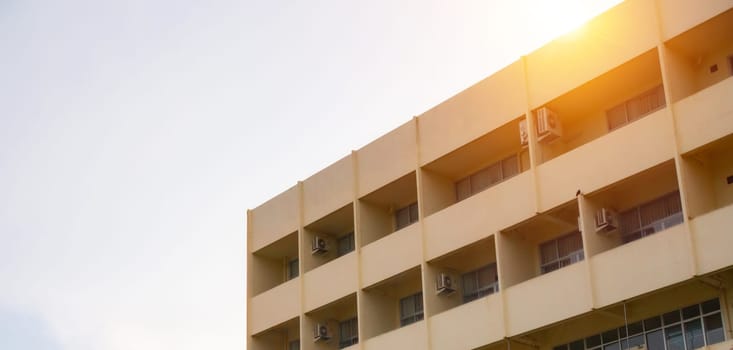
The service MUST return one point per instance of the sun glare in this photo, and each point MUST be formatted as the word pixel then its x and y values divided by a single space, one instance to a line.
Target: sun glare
pixel 561 17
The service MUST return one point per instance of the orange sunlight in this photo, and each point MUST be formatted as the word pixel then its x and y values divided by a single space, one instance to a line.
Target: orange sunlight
pixel 564 16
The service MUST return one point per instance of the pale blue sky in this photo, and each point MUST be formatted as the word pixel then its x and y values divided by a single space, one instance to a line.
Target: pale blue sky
pixel 135 134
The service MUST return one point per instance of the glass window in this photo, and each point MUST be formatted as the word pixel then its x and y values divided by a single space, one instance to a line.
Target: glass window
pixel 411 309
pixel 652 323
pixel 713 328
pixel 671 317
pixel 693 334
pixel 510 167
pixel 561 252
pixel 691 311
pixel 348 333
pixel 616 116
pixel 406 216
pixel 487 177
pixel 635 328
pixel 482 179
pixel 480 282
pixel 610 336
pixel 577 345
pixel 710 306
pixel 593 341
pixel 345 244
pixel 463 189
pixel 655 340
pixel 696 330
pixel 648 218
pixel 673 336
pixel 292 269
pixel 635 108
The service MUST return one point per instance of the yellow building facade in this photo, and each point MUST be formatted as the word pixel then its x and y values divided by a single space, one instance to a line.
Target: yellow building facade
pixel 581 198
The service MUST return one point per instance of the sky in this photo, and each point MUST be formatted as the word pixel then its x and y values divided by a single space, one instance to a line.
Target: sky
pixel 135 134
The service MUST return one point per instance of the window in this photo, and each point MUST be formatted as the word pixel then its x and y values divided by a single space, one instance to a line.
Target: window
pixel 294 345
pixel 411 309
pixel 292 269
pixel 348 333
pixel 561 252
pixel 688 328
pixel 635 108
pixel 479 283
pixel 345 244
pixel 487 177
pixel 406 216
pixel 649 218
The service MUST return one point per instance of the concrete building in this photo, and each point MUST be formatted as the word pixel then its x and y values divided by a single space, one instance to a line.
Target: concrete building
pixel 580 198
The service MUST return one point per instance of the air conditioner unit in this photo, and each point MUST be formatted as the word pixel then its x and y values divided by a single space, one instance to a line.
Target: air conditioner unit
pixel 320 333
pixel 606 220
pixel 548 125
pixel 318 246
pixel 444 284
pixel 523 132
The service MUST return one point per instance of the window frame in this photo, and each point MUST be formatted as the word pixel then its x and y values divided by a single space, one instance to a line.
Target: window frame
pixel 480 291
pixel 412 212
pixel 291 273
pixel 655 325
pixel 353 336
pixel 559 262
pixel 503 175
pixel 418 309
pixel 655 92
pixel 350 242
pixel 657 225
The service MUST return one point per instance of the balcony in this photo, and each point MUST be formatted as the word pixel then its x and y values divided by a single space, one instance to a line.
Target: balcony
pixel 287 298
pixel 274 264
pixel 331 281
pixel 391 255
pixel 711 234
pixel 606 160
pixel 391 208
pixel 462 276
pixel 392 304
pixel 278 337
pixel 539 245
pixel 413 336
pixel 638 206
pixel 273 220
pixel 698 112
pixel 679 16
pixel 642 266
pixel 449 329
pixel 534 303
pixel 475 111
pixel 479 216
pixel 605 42
pixel 387 158
pixel 328 190
pixel 333 326
pixel 328 238
pixel 482 164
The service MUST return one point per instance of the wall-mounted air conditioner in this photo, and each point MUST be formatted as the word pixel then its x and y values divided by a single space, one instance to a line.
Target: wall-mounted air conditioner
pixel 318 246
pixel 606 220
pixel 523 132
pixel 320 332
pixel 444 284
pixel 548 125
